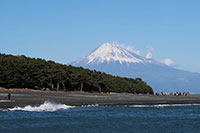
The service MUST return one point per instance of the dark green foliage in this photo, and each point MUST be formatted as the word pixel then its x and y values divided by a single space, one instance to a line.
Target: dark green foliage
pixel 24 72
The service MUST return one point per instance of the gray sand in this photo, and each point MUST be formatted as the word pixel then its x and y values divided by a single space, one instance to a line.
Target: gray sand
pixel 22 98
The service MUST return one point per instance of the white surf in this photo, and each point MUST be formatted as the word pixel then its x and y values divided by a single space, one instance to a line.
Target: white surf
pixel 45 107
pixel 163 105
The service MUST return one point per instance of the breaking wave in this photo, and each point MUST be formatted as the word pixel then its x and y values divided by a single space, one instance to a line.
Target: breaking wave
pixel 90 105
pixel 48 106
pixel 45 107
pixel 163 105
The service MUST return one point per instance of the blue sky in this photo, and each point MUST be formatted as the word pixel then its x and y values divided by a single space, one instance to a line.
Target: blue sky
pixel 65 30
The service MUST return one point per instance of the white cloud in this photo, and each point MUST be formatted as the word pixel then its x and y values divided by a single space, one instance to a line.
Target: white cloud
pixel 149 53
pixel 169 62
pixel 137 52
pixel 130 48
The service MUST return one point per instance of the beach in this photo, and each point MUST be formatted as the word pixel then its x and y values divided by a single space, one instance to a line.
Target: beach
pixel 24 97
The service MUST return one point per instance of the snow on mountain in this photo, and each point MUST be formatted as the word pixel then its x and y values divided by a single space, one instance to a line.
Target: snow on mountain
pixel 124 61
pixel 115 52
pixel 109 52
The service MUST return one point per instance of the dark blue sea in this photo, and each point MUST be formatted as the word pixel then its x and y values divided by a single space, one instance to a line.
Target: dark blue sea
pixel 51 117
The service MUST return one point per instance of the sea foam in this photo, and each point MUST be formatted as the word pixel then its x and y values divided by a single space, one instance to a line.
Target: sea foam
pixel 163 105
pixel 45 107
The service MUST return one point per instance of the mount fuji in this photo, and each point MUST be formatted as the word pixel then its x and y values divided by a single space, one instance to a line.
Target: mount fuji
pixel 120 60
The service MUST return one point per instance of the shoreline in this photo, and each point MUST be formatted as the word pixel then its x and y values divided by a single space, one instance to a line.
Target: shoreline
pixel 24 97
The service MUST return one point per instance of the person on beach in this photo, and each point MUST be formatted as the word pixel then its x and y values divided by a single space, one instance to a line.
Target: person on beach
pixel 9 96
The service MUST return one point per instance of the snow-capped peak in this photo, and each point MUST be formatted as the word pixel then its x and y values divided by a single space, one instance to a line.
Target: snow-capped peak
pixel 114 52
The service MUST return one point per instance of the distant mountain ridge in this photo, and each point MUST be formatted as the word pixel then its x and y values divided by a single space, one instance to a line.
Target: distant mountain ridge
pixel 124 61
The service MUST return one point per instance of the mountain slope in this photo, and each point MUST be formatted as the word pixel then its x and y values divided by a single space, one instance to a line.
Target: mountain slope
pixel 111 52
pixel 124 61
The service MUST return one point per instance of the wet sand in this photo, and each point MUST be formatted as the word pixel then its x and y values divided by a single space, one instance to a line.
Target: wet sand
pixel 24 97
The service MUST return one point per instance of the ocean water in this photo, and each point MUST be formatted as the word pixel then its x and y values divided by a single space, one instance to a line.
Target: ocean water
pixel 51 117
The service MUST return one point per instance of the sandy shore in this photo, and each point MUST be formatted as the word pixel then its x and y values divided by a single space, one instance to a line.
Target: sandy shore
pixel 21 98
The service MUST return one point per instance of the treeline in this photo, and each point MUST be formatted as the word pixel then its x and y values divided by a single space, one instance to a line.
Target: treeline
pixel 24 72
